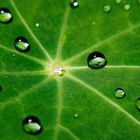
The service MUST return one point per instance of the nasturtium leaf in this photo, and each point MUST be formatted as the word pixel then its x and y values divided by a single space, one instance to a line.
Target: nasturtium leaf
pixel 52 80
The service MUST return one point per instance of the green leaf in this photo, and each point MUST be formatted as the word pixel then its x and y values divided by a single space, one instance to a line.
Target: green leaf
pixel 52 80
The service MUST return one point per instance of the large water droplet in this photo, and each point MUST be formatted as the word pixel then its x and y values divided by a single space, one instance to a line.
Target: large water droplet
pixel 118 1
pixel 138 1
pixel 22 44
pixel 74 3
pixel 96 60
pixel 127 7
pixel 5 15
pixel 107 8
pixel 32 125
pixel 137 104
pixel 119 93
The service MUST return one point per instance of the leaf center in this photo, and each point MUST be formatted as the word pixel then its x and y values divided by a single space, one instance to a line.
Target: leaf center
pixel 56 69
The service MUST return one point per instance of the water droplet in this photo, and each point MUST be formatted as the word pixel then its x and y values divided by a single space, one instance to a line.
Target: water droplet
pixel 59 71
pixel 138 1
pixel 119 93
pixel 96 60
pixel 118 1
pixel 127 7
pixel 13 54
pixel 22 44
pixel 5 15
pixel 74 4
pixel 37 25
pixel 76 115
pixel 107 8
pixel 32 125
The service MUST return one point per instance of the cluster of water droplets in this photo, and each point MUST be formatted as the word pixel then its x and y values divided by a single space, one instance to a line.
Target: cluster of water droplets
pixel 21 43
pixel 96 60
pixel 126 6
pixel 119 93
pixel 31 124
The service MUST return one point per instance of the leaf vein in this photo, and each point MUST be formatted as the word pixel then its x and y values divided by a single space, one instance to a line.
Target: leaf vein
pixel 69 132
pixel 98 93
pixel 98 44
pixel 30 31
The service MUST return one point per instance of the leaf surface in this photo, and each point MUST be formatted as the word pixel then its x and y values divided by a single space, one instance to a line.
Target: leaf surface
pixel 80 105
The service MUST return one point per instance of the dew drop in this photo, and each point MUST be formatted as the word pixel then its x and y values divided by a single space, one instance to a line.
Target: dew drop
pixel 138 1
pixel 74 3
pixel 59 71
pixel 127 7
pixel 22 44
pixel 5 15
pixel 76 115
pixel 13 54
pixel 119 93
pixel 96 60
pixel 32 125
pixel 118 1
pixel 37 25
pixel 107 8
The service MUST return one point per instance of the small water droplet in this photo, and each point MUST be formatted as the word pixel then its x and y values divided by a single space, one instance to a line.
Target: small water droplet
pixel 96 60
pixel 59 71
pixel 76 115
pixel 32 125
pixel 5 15
pixel 22 44
pixel 107 8
pixel 119 93
pixel 74 4
pixel 127 7
pixel 118 1
pixel 37 25
pixel 13 54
